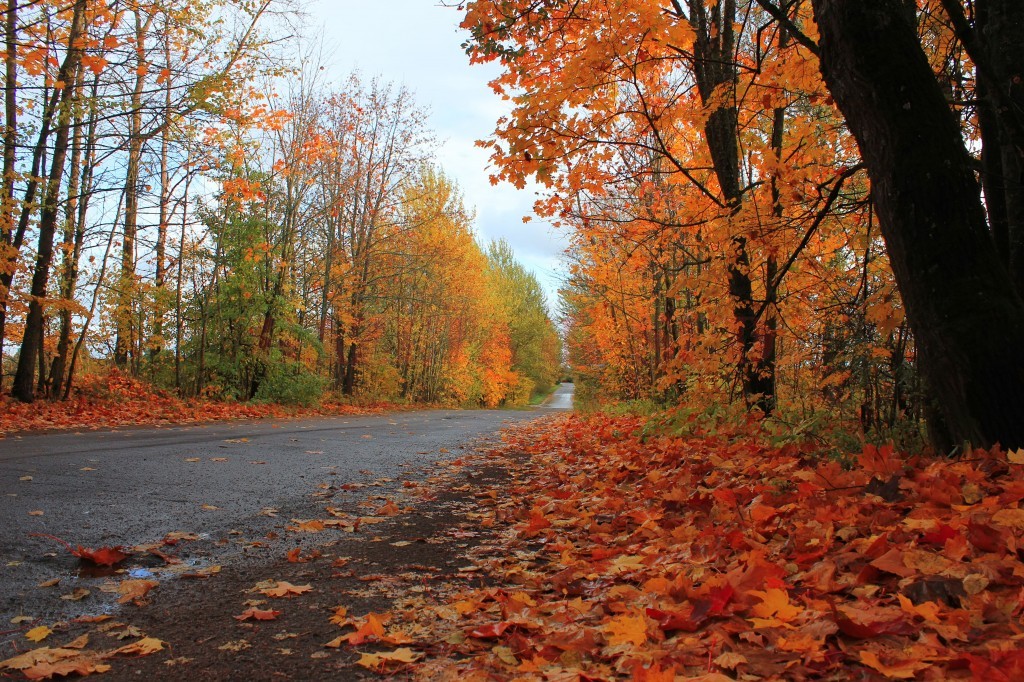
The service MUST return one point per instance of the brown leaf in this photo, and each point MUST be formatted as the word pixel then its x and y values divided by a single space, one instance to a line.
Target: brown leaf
pixel 258 614
pixel 286 589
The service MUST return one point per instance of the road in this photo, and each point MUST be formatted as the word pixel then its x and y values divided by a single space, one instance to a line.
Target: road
pixel 132 486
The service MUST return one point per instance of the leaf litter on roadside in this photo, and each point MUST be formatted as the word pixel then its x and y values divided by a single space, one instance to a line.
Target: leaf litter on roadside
pixel 621 554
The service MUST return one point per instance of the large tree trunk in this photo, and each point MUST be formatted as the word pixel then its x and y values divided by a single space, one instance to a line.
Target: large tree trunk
pixel 966 314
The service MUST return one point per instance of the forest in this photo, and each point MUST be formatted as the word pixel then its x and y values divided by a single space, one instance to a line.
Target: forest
pixel 187 204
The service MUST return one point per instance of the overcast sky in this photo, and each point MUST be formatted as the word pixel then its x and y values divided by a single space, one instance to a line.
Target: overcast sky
pixel 417 43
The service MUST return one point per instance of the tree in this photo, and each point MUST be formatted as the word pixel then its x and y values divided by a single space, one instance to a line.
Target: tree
pixel 966 313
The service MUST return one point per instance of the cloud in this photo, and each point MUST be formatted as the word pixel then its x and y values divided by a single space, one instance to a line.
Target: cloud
pixel 417 43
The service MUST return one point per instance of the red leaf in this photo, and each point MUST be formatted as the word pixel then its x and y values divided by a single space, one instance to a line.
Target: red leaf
pixel 939 537
pixel 492 631
pixel 104 556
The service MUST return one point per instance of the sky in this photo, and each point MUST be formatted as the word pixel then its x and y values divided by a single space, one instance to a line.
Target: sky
pixel 418 43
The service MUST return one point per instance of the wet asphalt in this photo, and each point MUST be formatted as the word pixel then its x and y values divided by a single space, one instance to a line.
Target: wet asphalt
pixel 132 486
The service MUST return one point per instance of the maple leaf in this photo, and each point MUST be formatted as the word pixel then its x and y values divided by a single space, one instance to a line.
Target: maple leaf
pixel 135 590
pixel 372 628
pixel 492 631
pixel 775 605
pixel 309 526
pixel 258 614
pixel 899 669
pixel 388 509
pixel 38 634
pixel 143 647
pixel 294 556
pixel 626 629
pixel 378 661
pixel 46 663
pixel 285 589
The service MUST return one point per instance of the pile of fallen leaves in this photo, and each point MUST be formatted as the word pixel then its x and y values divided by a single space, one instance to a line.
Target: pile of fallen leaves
pixel 117 399
pixel 75 657
pixel 720 558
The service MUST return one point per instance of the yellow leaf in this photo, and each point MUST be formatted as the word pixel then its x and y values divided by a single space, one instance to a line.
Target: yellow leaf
pixel 626 629
pixel 38 634
pixel 380 660
pixel 901 670
pixel 1016 456
pixel 286 589
pixel 929 610
pixel 143 647
pixel 134 590
pixel 775 604
pixel 1012 518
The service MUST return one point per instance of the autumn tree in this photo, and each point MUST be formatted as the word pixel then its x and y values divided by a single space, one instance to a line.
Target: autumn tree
pixel 692 134
pixel 962 302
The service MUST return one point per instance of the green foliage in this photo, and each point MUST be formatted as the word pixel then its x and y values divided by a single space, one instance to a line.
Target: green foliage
pixel 291 384
pixel 536 345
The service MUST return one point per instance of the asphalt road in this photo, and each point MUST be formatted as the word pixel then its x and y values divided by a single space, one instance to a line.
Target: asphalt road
pixel 132 486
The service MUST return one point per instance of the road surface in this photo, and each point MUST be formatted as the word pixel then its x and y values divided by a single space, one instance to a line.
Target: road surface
pixel 221 482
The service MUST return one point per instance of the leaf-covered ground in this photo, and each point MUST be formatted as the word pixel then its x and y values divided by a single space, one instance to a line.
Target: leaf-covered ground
pixel 116 399
pixel 609 555
pixel 723 558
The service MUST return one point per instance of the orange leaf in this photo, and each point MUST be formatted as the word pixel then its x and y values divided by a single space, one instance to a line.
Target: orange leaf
pixel 286 589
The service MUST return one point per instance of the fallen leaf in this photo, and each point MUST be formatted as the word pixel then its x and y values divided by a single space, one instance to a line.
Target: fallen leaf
pixel 49 583
pixel 626 629
pixel 135 590
pixel 311 526
pixel 238 645
pixel 79 594
pixel 25 478
pixel 143 647
pixel 900 670
pixel 258 614
pixel 202 573
pixel 35 513
pixel 193 459
pixel 381 660
pixel 38 634
pixel 286 589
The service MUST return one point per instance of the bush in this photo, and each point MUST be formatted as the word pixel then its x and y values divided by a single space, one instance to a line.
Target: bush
pixel 291 384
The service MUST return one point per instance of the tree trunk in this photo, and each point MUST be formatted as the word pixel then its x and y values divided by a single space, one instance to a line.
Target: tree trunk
pixel 126 332
pixel 1000 25
pixel 963 308
pixel 24 378
pixel 716 74
pixel 10 159
pixel 71 247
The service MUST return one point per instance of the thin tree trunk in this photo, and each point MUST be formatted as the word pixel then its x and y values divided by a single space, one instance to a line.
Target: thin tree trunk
pixel 71 246
pixel 24 388
pixel 10 159
pixel 126 331
pixel 715 68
